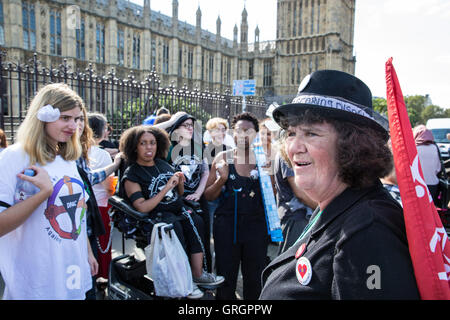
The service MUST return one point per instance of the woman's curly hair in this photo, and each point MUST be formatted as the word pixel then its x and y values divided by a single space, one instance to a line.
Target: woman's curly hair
pixel 130 140
pixel 363 155
pixel 247 116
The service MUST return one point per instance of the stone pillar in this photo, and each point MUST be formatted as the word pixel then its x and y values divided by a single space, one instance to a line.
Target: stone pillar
pixel 111 42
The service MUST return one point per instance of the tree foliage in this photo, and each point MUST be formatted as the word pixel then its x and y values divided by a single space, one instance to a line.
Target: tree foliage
pixel 135 110
pixel 417 111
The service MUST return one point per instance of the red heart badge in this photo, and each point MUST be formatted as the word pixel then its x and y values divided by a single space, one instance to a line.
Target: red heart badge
pixel 303 271
pixel 302 268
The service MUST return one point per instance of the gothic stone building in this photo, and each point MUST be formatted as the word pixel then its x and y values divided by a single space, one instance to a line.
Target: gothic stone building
pixel 311 35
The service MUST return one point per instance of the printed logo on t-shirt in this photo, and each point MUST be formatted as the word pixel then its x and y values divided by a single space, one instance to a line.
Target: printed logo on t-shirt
pixel 190 166
pixel 158 183
pixel 66 209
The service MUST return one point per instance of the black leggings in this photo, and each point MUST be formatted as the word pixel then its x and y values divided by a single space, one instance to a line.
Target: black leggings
pixel 185 231
pixel 193 230
pixel 434 193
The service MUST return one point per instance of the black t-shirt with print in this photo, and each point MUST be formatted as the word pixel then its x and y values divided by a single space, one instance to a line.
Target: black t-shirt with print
pixel 190 162
pixel 152 180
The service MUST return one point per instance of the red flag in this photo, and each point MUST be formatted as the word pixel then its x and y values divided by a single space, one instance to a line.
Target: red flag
pixel 428 242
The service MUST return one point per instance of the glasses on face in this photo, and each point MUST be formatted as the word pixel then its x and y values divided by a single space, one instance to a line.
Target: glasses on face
pixel 187 125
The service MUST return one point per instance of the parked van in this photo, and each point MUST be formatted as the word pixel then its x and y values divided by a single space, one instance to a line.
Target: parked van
pixel 440 127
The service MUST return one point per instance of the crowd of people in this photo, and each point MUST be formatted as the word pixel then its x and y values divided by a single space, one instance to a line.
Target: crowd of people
pixel 332 175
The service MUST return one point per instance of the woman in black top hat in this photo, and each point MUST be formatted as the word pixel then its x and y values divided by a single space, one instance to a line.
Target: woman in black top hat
pixel 355 245
pixel 240 230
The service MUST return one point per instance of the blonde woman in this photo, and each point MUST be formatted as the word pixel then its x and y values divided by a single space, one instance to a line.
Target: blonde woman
pixel 216 138
pixel 45 253
pixel 3 140
pixel 269 143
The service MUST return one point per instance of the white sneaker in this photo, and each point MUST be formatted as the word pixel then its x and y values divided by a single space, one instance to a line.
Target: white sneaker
pixel 209 279
pixel 196 293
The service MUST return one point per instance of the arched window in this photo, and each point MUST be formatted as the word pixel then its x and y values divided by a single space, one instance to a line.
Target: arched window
pixel 153 57
pixel 318 16
pixel 293 72
pixel 294 20
pixel 55 32
pixel 165 57
pixel 211 68
pixel 267 78
pixel 120 47
pixel 190 62
pixel 100 42
pixel 80 35
pixel 300 22
pixel 29 26
pixel 136 51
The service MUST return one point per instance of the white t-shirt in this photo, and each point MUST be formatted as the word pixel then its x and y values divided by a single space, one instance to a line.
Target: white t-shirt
pixel 99 158
pixel 431 164
pixel 228 140
pixel 46 258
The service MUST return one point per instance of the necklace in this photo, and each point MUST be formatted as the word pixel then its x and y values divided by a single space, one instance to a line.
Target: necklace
pixel 144 168
pixel 309 227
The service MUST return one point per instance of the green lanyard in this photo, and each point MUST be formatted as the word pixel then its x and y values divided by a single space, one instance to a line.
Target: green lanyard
pixel 309 227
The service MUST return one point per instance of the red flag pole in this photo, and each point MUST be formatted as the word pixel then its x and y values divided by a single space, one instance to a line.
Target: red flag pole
pixel 429 246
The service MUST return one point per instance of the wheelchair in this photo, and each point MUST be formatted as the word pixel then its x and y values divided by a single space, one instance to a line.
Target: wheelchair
pixel 128 279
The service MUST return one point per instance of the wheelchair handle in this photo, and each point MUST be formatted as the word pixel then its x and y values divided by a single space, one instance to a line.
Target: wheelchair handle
pixel 121 204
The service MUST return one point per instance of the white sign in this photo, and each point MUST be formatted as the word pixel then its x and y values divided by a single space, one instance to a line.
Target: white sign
pixel 244 87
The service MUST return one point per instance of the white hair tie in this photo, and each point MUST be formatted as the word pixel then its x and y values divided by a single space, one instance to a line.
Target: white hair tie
pixel 48 114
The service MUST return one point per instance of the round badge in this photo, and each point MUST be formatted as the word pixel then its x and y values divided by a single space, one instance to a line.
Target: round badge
pixel 300 250
pixel 304 83
pixel 303 271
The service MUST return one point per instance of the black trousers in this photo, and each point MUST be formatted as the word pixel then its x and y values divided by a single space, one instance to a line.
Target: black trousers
pixel 434 193
pixel 92 293
pixel 185 231
pixel 207 232
pixel 249 251
pixel 192 235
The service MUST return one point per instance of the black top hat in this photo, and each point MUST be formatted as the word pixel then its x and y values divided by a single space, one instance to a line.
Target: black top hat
pixel 338 95
pixel 175 121
pixel 179 121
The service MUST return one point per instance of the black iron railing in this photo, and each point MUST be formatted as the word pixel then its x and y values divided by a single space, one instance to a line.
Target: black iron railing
pixel 125 102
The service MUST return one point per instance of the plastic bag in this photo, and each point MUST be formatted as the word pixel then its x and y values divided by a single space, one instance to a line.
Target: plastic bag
pixel 167 264
pixel 150 249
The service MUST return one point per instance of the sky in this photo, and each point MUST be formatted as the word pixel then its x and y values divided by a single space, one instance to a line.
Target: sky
pixel 416 33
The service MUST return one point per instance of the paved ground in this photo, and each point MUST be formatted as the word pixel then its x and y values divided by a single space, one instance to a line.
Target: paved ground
pixel 116 250
pixel 131 248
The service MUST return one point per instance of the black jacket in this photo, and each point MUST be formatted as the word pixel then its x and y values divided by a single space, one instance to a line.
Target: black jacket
pixel 359 236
